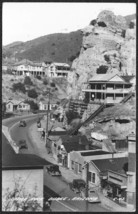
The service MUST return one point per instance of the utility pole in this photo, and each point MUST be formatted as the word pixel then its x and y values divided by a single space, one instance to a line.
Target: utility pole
pixel 46 133
pixel 87 185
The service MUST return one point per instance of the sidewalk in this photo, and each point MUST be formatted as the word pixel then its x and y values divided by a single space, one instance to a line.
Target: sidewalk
pixel 69 175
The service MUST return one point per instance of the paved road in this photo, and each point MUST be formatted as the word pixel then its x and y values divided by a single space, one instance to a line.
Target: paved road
pixel 54 184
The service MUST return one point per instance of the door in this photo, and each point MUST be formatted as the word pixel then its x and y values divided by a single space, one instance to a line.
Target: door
pixel 76 168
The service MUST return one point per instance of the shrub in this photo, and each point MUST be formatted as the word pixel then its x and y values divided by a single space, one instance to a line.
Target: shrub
pixel 18 87
pixel 38 77
pixel 45 82
pixel 102 69
pixel 27 81
pixel 93 22
pixel 102 24
pixel 32 93
pixel 33 105
pixel 52 84
pixel 71 115
pixel 131 25
pixel 123 34
pixel 107 58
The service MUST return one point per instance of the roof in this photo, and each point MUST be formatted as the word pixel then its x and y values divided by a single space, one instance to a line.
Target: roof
pixel 28 62
pixel 104 77
pixel 12 160
pixel 115 164
pixel 15 102
pixel 46 102
pixel 74 143
pixel 60 64
pixel 95 152
pixel 127 78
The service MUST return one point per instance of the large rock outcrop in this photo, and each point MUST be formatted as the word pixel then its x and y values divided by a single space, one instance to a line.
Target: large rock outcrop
pixel 108 44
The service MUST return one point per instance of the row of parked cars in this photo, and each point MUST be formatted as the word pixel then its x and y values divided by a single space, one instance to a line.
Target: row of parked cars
pixel 78 185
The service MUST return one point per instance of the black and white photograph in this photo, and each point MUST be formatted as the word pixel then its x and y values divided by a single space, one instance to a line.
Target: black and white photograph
pixel 68 107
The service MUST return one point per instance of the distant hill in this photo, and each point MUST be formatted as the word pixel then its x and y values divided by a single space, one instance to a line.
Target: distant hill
pixel 59 47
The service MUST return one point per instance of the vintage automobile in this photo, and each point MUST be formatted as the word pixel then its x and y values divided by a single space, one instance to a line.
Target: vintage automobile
pixel 22 144
pixel 78 185
pixel 93 197
pixel 54 170
pixel 22 123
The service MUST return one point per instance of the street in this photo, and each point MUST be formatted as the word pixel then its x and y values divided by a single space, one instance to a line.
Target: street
pixel 52 184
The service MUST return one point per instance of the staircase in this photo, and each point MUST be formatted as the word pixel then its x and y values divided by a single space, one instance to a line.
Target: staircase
pixel 127 97
pixel 78 107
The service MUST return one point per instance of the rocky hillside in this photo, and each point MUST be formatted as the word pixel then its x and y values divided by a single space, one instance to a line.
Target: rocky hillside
pixel 57 88
pixel 107 43
pixel 59 47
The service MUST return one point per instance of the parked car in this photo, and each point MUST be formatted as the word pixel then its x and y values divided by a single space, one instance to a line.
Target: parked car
pixel 78 185
pixel 93 197
pixel 22 123
pixel 22 144
pixel 54 170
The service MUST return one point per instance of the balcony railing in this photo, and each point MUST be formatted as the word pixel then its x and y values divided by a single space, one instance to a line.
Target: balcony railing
pixel 107 90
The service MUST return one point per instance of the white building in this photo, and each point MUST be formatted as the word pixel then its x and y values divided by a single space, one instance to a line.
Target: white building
pixel 43 105
pixel 26 67
pixel 56 69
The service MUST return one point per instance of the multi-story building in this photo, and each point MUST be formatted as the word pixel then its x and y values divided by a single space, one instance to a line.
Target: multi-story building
pixel 107 88
pixel 26 67
pixel 57 69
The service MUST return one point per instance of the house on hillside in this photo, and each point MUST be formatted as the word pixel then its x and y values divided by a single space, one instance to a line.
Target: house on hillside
pixel 22 106
pixel 12 105
pixel 22 177
pixel 27 67
pixel 43 105
pixel 57 69
pixel 130 79
pixel 107 88
pixel 15 105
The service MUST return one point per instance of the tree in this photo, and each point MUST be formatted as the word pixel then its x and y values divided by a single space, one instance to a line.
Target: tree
pixel 27 81
pixel 20 199
pixel 32 93
pixel 33 105
pixel 3 108
pixel 18 87
pixel 93 22
pixel 102 69
pixel 71 115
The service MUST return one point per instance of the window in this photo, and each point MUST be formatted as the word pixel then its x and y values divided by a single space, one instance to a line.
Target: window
pixel 72 164
pixel 80 168
pixel 91 177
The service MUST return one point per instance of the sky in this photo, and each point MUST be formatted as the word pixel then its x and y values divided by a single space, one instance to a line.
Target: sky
pixel 27 21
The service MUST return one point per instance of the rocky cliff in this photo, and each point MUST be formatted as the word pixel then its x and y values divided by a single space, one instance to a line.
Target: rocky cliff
pixel 108 45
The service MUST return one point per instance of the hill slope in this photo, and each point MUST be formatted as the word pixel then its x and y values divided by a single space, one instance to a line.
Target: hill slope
pixel 59 47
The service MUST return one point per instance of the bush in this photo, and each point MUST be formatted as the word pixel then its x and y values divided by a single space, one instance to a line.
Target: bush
pixel 33 105
pixel 123 34
pixel 71 115
pixel 27 81
pixel 38 77
pixel 102 69
pixel 32 93
pixel 45 82
pixel 18 87
pixel 52 84
pixel 107 58
pixel 131 25
pixel 93 22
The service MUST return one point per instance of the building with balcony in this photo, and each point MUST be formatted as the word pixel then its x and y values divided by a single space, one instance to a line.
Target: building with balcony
pixel 57 69
pixel 27 67
pixel 107 88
